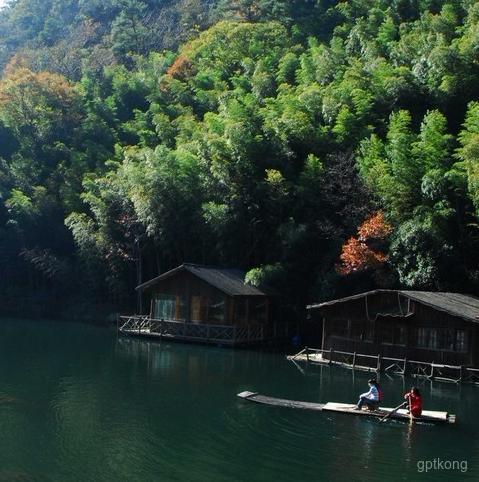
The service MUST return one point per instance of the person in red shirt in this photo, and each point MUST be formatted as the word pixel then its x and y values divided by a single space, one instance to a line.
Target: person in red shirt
pixel 414 400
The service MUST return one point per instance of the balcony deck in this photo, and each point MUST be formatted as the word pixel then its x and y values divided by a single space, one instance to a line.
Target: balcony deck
pixel 228 335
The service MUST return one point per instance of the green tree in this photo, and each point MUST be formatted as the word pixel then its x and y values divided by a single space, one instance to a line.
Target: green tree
pixel 468 151
pixel 129 34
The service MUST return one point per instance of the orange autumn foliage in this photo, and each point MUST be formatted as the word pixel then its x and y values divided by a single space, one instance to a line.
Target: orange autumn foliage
pixel 41 102
pixel 18 79
pixel 182 68
pixel 356 255
pixel 375 227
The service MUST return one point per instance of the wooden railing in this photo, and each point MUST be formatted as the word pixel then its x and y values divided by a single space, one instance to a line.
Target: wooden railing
pixel 134 323
pixel 142 325
pixel 383 364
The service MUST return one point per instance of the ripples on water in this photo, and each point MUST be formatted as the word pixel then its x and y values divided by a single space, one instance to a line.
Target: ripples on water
pixel 76 404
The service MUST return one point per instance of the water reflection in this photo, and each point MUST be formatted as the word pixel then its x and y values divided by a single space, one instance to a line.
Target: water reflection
pixel 79 404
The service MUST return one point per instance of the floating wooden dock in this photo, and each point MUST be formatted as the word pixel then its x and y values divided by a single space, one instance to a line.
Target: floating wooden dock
pixel 382 364
pixel 428 416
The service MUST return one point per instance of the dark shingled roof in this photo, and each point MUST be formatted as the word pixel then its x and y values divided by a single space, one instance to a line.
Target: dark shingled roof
pixel 229 281
pixel 463 306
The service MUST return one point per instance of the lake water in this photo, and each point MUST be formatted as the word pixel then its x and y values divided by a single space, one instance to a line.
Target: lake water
pixel 78 404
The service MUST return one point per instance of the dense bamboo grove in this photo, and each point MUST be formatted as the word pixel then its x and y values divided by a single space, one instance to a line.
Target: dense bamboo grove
pixel 263 134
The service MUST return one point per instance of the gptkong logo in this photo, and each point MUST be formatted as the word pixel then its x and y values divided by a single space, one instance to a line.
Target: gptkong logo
pixel 438 464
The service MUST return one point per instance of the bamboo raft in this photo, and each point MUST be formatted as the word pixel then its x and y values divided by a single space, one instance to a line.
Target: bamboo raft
pixel 280 402
pixel 428 416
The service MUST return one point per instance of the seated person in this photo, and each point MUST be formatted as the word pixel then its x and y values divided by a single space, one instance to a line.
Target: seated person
pixel 414 401
pixel 372 398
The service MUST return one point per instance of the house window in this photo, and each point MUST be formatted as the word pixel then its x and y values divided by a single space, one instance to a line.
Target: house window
pixel 359 330
pixel 446 340
pixel 165 307
pixel 400 335
pixel 216 311
pixel 393 334
pixel 461 342
pixel 196 308
pixel 427 338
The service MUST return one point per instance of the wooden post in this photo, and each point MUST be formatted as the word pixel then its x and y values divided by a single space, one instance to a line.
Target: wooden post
pixel 323 336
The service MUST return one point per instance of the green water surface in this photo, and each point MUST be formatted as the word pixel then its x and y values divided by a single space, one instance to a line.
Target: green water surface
pixel 79 404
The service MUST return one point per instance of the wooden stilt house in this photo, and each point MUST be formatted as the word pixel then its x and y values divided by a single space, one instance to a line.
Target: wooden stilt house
pixel 415 325
pixel 206 304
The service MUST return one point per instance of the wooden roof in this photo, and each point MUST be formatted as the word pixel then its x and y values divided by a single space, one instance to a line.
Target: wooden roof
pixel 456 304
pixel 229 281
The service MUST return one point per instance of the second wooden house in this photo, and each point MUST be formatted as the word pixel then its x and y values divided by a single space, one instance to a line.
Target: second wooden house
pixel 430 327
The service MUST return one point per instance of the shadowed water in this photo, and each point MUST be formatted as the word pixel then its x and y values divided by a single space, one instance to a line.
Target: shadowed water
pixel 78 404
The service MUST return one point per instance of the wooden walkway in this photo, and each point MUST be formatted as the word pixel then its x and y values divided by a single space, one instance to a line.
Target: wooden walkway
pixel 380 364
pixel 227 335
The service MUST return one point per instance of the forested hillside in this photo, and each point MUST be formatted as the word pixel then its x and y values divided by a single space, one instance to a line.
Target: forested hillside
pixel 325 146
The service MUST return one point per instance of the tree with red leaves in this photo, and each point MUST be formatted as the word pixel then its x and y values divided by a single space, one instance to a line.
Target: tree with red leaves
pixel 360 253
